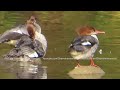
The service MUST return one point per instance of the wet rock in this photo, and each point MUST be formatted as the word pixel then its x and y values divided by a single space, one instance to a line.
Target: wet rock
pixel 86 72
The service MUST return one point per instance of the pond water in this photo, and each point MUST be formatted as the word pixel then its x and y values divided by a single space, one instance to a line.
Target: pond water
pixel 59 29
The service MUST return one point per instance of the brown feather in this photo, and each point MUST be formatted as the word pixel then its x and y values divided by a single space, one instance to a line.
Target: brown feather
pixel 85 30
pixel 31 29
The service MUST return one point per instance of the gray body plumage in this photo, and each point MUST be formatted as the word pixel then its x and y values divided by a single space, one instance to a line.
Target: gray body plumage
pixel 83 47
pixel 26 47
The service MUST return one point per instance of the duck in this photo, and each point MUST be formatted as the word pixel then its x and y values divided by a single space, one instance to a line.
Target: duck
pixel 85 44
pixel 31 46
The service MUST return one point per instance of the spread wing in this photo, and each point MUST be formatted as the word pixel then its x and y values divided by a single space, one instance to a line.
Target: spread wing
pixel 13 34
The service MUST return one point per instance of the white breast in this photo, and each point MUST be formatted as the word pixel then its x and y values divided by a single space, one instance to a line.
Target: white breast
pixel 95 36
pixel 40 37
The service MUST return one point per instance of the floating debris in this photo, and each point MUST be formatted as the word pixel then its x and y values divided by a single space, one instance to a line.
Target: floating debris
pixel 100 51
pixel 110 52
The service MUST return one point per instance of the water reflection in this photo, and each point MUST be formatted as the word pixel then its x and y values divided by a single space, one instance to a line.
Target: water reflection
pixel 31 71
pixel 25 69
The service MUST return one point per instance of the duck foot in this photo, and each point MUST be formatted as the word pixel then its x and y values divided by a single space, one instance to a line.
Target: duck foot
pixel 94 65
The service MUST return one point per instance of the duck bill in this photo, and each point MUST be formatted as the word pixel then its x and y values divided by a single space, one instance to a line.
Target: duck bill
pixel 99 32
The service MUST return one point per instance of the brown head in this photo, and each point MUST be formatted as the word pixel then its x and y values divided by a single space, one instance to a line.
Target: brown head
pixel 88 30
pixel 31 29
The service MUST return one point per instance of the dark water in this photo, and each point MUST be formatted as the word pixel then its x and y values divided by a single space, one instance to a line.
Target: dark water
pixel 59 29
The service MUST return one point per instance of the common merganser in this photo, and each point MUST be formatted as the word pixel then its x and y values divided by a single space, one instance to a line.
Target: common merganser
pixel 33 45
pixel 10 36
pixel 85 45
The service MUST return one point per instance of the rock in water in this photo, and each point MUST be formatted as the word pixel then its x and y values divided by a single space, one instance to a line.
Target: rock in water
pixel 86 72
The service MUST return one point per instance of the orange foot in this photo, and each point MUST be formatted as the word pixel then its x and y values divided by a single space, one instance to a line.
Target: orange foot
pixel 94 65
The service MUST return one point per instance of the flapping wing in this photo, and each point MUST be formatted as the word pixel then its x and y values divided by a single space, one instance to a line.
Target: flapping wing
pixel 13 34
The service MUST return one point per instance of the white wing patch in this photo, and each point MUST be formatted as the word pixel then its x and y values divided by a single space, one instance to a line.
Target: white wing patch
pixel 33 55
pixel 86 43
pixel 18 31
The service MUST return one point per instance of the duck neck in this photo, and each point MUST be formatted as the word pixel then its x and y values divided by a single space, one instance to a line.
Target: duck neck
pixel 38 28
pixel 31 31
pixel 95 37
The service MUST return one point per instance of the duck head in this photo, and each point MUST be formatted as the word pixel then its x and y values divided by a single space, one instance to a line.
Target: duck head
pixel 88 30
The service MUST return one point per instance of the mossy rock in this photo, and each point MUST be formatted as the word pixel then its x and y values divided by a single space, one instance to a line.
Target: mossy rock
pixel 86 72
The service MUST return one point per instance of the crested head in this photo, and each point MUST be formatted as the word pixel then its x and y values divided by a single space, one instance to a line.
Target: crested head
pixel 32 18
pixel 88 30
pixel 30 22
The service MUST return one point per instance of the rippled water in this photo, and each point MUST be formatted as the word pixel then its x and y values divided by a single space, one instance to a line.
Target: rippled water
pixel 59 29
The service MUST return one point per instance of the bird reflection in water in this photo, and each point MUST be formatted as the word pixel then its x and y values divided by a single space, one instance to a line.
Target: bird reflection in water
pixel 24 69
pixel 27 70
